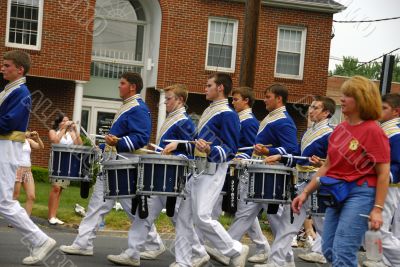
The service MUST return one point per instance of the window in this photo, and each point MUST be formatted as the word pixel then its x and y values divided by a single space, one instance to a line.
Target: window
pixel 24 24
pixel 119 46
pixel 290 52
pixel 221 44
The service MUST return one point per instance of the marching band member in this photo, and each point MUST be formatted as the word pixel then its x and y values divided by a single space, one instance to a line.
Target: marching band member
pixel 15 105
pixel 314 145
pixel 129 131
pixel 242 100
pixel 391 127
pixel 177 126
pixel 218 137
pixel 358 167
pixel 278 130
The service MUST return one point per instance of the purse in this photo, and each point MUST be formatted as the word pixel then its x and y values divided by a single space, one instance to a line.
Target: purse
pixel 333 192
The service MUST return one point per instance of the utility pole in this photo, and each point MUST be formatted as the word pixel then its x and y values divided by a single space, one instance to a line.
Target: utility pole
pixel 249 52
pixel 386 74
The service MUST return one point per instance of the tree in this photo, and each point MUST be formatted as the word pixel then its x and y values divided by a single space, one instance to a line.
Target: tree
pixel 351 66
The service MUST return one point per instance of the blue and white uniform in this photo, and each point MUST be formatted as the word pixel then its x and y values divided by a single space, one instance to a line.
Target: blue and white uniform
pixel 132 124
pixel 219 125
pixel 15 106
pixel 248 131
pixel 314 142
pixel 391 242
pixel 178 126
pixel 279 132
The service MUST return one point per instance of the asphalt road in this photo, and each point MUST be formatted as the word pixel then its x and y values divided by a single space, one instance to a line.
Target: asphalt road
pixel 13 250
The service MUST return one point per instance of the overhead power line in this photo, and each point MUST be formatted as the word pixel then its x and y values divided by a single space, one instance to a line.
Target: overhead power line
pixel 362 21
pixel 365 63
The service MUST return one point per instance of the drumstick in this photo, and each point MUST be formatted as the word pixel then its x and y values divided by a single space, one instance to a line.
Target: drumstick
pixel 295 157
pixel 156 147
pixel 103 136
pixel 87 135
pixel 183 141
pixel 149 151
pixel 251 147
pixel 253 160
pixel 119 155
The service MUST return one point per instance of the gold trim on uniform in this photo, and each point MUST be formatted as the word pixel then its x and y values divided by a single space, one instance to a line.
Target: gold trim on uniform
pixel 10 87
pixel 274 115
pixel 171 119
pixel 316 131
pixel 16 136
pixel 214 109
pixel 391 127
pixel 127 105
pixel 245 114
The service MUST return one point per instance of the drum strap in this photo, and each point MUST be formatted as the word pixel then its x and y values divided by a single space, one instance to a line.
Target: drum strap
pixel 16 136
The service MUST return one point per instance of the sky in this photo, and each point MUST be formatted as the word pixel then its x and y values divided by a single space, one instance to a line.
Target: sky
pixel 365 41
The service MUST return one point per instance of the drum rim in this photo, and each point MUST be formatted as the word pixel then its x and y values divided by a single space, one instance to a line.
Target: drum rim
pixel 279 167
pixel 71 148
pixel 119 162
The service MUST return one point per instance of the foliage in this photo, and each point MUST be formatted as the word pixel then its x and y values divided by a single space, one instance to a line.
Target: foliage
pixel 351 66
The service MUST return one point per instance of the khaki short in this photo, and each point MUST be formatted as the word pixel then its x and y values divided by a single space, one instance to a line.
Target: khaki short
pixel 63 183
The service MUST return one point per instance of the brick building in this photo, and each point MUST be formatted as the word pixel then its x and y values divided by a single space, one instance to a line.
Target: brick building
pixel 80 47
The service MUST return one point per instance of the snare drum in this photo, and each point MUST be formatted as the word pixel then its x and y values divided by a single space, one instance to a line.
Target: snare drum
pixel 162 175
pixel 121 177
pixel 317 207
pixel 269 183
pixel 71 162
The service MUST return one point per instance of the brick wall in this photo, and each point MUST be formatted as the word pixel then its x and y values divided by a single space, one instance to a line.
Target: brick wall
pixel 66 40
pixel 47 101
pixel 334 83
pixel 184 41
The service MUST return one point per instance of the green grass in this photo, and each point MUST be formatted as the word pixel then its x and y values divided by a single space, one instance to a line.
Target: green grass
pixel 115 220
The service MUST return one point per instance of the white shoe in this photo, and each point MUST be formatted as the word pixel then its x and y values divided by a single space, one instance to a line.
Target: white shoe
pixel 218 256
pixel 313 257
pixel 240 261
pixel 258 258
pixel 55 221
pixel 39 253
pixel 199 262
pixel 273 264
pixel 80 210
pixel 369 263
pixel 174 264
pixel 309 242
pixel 123 259
pixel 75 250
pixel 152 254
pixel 294 242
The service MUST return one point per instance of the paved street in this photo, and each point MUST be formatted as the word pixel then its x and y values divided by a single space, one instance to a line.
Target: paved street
pixel 13 250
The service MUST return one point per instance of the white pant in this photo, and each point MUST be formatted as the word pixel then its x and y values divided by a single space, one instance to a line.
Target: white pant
pixel 253 230
pixel 97 209
pixel 10 209
pixel 142 227
pixel 202 194
pixel 281 251
pixel 390 243
pixel 318 221
pixel 396 223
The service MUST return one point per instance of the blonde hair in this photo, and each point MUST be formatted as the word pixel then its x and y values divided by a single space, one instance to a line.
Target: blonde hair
pixel 366 95
pixel 180 90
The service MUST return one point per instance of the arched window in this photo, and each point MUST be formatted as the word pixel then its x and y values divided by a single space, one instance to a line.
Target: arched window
pixel 118 45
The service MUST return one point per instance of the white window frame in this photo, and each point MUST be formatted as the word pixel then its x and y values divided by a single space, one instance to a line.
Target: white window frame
pixel 39 34
pixel 302 53
pixel 234 44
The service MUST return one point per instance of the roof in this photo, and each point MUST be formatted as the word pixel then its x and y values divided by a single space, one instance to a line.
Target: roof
pixel 325 6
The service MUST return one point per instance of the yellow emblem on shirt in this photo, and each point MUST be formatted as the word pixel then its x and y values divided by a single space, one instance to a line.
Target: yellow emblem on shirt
pixel 353 144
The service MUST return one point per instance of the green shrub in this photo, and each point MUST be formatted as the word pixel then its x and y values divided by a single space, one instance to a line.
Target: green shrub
pixel 40 174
